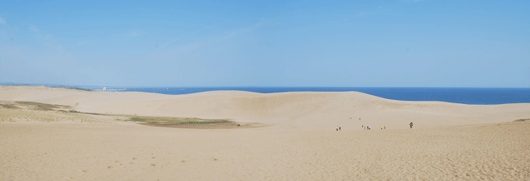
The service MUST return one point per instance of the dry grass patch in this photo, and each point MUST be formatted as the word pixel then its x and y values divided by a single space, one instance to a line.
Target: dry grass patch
pixel 193 123
pixel 176 120
pixel 9 106
pixel 41 106
pixel 14 115
pixel 36 111
pixel 179 122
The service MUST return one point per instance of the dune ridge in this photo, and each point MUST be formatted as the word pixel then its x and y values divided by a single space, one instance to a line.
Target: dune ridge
pixel 304 110
pixel 448 142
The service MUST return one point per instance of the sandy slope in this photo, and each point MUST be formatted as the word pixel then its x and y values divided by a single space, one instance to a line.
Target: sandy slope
pixel 91 151
pixel 311 110
pixel 448 142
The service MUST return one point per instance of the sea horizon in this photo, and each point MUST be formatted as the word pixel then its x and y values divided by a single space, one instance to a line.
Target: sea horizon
pixel 473 96
pixel 462 95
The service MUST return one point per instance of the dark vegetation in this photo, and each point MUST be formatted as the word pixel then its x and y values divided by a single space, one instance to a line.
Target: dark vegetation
pixel 521 120
pixel 151 120
pixel 9 106
pixel 179 122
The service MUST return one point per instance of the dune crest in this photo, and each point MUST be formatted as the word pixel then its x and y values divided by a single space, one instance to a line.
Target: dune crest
pixel 448 142
pixel 311 110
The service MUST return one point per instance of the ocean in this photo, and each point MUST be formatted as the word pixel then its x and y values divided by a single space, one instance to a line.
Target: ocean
pixel 475 96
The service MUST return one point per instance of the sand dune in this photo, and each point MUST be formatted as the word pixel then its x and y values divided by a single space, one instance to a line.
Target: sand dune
pixel 311 110
pixel 448 142
pixel 90 151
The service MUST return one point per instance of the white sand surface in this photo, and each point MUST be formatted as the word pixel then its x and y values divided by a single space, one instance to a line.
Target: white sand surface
pixel 448 142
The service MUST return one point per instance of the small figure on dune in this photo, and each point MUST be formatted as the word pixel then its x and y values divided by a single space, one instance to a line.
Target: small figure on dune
pixel 384 126
pixel 411 124
pixel 381 127
pixel 339 128
pixel 362 126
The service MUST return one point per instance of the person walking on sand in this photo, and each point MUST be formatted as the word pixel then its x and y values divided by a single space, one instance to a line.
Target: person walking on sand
pixel 411 124
pixel 339 128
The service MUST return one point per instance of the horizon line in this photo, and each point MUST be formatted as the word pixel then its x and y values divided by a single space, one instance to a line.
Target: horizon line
pixel 81 86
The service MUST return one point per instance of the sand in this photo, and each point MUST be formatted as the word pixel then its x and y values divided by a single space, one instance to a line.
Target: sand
pixel 448 141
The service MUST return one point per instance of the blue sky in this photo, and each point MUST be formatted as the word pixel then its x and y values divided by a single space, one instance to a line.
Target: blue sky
pixel 398 43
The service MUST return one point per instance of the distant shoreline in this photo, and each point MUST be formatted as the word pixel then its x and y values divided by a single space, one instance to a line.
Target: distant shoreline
pixel 470 96
pixel 66 87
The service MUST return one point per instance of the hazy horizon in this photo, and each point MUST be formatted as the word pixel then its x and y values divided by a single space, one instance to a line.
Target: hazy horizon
pixel 176 86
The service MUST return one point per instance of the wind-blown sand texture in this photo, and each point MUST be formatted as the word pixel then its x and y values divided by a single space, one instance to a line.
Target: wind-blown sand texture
pixel 448 141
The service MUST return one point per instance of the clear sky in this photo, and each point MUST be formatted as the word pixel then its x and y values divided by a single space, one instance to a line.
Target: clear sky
pixel 396 43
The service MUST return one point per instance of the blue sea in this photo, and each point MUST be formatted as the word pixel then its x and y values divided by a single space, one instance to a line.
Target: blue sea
pixel 477 96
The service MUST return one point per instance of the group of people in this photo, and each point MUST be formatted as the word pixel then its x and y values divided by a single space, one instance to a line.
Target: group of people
pixel 383 127
pixel 368 127
pixel 338 128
